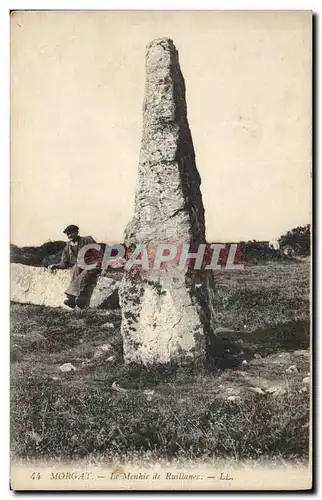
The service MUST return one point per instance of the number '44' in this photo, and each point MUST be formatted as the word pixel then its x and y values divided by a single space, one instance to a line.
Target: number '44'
pixel 35 475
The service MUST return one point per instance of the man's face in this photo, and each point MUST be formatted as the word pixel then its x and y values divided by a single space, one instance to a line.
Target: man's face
pixel 72 235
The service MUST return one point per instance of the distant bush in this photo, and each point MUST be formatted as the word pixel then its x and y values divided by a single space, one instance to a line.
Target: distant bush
pixel 48 253
pixel 43 255
pixel 298 239
pixel 256 252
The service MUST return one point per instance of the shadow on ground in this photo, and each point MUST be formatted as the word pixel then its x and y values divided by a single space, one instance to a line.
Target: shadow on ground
pixel 229 348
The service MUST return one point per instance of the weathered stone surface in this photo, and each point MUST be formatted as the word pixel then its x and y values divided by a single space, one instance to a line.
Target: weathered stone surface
pixel 105 294
pixel 37 285
pixel 168 313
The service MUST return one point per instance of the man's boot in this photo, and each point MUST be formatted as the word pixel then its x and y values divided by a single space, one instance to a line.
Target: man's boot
pixel 82 301
pixel 70 301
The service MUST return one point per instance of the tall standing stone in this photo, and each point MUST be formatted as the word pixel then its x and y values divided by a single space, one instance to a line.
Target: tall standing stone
pixel 167 314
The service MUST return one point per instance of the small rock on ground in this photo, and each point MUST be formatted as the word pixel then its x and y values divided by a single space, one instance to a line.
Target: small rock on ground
pixel 233 398
pixel 115 386
pixel 98 354
pixel 276 391
pixel 108 326
pixel 67 367
pixel 291 369
pixel 284 355
pixel 103 349
pixel 257 390
pixel 301 352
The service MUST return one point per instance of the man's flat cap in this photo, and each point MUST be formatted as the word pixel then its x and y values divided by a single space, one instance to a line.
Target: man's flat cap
pixel 71 229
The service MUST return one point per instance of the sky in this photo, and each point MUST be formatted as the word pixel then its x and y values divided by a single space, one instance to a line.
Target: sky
pixel 77 89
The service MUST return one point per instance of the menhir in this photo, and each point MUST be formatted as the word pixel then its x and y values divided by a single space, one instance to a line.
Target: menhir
pixel 167 314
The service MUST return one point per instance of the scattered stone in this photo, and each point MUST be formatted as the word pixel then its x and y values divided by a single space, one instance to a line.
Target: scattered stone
pixel 301 352
pixel 257 390
pixel 67 367
pixel 105 347
pixel 108 326
pixel 276 391
pixel 304 389
pixel 279 392
pixel 115 387
pixel 98 354
pixel 148 392
pixel 244 362
pixel 292 369
pixel 270 390
pixel 260 382
pixel 306 380
pixel 101 351
pixel 233 398
pixel 284 355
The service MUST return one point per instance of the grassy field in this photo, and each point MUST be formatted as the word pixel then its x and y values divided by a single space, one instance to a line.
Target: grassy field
pixel 249 403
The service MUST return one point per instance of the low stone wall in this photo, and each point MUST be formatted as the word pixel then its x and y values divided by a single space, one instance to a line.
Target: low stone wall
pixel 38 285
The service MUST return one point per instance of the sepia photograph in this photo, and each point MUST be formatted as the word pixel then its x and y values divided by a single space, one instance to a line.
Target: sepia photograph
pixel 160 250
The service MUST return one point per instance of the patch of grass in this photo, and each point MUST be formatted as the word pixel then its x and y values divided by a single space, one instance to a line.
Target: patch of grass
pixel 262 296
pixel 51 419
